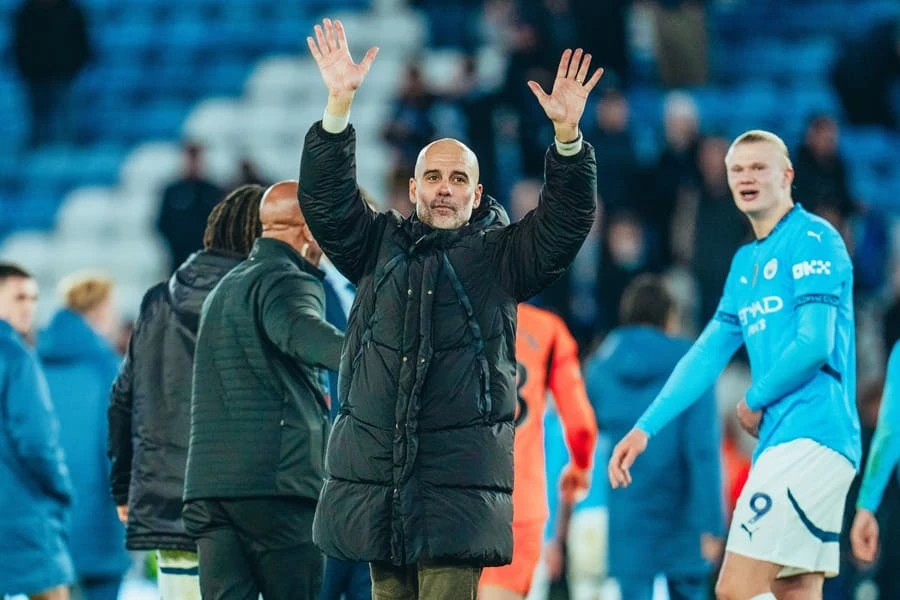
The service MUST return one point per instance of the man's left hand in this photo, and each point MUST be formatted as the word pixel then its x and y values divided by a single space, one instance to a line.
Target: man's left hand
pixel 564 105
pixel 749 419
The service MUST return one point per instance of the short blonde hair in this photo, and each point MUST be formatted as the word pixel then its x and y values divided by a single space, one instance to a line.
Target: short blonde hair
pixel 84 291
pixel 761 135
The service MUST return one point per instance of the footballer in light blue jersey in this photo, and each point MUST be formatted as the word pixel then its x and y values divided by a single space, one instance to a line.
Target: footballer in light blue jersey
pixel 788 299
pixel 884 457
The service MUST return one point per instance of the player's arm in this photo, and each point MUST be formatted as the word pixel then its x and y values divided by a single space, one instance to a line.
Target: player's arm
pixel 328 193
pixel 884 453
pixel 821 271
pixel 694 374
pixel 575 411
pixel 292 319
pixel 532 253
pixel 33 430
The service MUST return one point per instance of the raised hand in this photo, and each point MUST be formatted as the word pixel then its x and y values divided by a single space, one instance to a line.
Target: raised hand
pixel 565 103
pixel 341 75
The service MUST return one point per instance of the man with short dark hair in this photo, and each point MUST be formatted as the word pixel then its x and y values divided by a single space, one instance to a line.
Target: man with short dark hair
pixel 36 490
pixel 670 520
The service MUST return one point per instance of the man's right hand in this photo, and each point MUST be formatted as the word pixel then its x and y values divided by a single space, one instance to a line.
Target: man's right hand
pixel 864 536
pixel 624 455
pixel 341 75
pixel 122 512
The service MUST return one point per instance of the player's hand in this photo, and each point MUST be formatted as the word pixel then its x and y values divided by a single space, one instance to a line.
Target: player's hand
pixel 864 536
pixel 623 456
pixel 711 547
pixel 749 419
pixel 574 484
pixel 122 512
pixel 565 103
pixel 341 75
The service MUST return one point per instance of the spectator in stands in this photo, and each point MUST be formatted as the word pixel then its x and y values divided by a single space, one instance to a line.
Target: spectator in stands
pixel 601 30
pixel 81 365
pixel 149 412
pixel 680 27
pixel 36 495
pixel 617 163
pixel 186 204
pixel 259 415
pixel 673 524
pixel 248 174
pixel 676 167
pixel 821 180
pixel 866 71
pixel 625 255
pixel 708 229
pixel 409 126
pixel 51 44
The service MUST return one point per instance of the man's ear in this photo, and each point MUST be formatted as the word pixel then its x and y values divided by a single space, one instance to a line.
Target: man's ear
pixel 412 190
pixel 479 189
pixel 789 177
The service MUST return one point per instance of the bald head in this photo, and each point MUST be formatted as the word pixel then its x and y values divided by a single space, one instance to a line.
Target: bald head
pixel 282 219
pixel 445 187
pixel 279 208
pixel 448 147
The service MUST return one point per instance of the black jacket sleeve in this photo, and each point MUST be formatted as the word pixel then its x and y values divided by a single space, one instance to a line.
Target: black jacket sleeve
pixel 292 319
pixel 121 404
pixel 529 255
pixel 342 223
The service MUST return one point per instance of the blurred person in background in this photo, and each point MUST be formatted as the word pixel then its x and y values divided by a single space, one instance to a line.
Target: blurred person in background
pixel 821 181
pixel 80 365
pixel 625 255
pixel 681 49
pixel 866 71
pixel 51 45
pixel 185 207
pixel 881 467
pixel 410 125
pixel 149 408
pixel 547 362
pixel 670 521
pixel 428 371
pixel 707 229
pixel 788 299
pixel 617 163
pixel 259 415
pixel 36 497
pixel 675 167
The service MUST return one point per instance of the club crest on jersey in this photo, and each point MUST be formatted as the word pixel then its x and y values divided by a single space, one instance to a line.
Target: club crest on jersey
pixel 811 267
pixel 770 269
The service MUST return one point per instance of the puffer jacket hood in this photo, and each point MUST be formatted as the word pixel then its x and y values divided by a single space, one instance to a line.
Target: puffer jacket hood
pixel 195 279
pixel 626 349
pixel 69 338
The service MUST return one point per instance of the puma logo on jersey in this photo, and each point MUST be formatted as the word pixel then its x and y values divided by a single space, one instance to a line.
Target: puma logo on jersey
pixel 811 267
pixel 818 235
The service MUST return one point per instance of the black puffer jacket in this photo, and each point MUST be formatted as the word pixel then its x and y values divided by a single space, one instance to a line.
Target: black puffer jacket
pixel 150 407
pixel 420 461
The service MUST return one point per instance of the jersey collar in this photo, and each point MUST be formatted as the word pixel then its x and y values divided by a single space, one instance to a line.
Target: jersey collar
pixel 784 219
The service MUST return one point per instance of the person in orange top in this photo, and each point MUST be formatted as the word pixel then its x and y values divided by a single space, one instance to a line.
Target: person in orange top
pixel 547 358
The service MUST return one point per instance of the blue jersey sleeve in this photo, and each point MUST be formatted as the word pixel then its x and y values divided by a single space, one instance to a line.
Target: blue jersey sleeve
pixel 820 270
pixel 884 454
pixel 696 372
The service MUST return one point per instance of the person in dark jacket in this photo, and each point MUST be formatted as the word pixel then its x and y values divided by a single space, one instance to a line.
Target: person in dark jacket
pixel 186 204
pixel 672 524
pixel 51 45
pixel 149 412
pixel 35 488
pixel 80 365
pixel 259 415
pixel 420 460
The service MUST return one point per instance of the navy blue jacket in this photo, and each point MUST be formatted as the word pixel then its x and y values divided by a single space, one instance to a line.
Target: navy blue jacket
pixel 676 493
pixel 80 367
pixel 35 490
